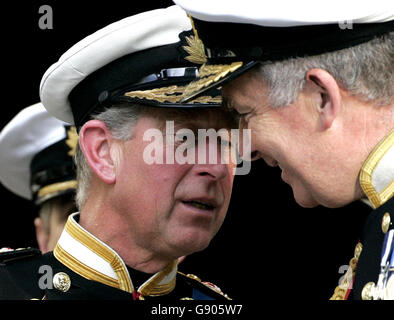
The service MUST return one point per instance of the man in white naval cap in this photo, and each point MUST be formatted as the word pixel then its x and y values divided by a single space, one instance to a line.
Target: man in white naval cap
pixel 314 83
pixel 36 163
pixel 121 86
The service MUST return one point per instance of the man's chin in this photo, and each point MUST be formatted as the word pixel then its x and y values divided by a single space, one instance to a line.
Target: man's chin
pixel 190 245
pixel 307 205
pixel 305 202
pixel 309 202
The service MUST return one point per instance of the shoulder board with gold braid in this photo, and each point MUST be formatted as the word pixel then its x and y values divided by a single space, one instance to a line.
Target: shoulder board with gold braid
pixel 204 286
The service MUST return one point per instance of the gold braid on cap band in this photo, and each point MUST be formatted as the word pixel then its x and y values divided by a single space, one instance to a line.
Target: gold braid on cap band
pixel 72 140
pixel 208 74
pixel 57 187
pixel 171 94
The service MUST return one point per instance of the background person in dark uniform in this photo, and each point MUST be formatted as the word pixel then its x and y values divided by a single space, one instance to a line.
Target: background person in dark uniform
pixel 36 164
pixel 136 218
pixel 315 85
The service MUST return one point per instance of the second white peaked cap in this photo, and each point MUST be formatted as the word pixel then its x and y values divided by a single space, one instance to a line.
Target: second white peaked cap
pixel 31 131
pixel 286 13
pixel 238 35
pixel 136 33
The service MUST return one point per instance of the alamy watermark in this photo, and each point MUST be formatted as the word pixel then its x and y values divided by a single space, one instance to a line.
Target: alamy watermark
pixel 345 24
pixel 346 281
pixel 207 147
pixel 45 281
pixel 45 21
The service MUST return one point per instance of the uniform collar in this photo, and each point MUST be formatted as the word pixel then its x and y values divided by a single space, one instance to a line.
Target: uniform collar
pixel 91 258
pixel 377 172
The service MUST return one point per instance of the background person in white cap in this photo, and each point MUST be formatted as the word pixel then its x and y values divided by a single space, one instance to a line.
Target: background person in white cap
pixel 315 85
pixel 136 219
pixel 36 163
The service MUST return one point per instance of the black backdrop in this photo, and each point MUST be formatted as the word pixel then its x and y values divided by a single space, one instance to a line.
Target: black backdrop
pixel 268 245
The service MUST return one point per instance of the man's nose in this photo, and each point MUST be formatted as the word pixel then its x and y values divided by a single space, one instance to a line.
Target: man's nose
pixel 213 171
pixel 212 161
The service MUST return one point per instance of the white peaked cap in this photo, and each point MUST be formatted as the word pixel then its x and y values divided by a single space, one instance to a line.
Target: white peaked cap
pixel 136 33
pixel 240 34
pixel 286 13
pixel 29 132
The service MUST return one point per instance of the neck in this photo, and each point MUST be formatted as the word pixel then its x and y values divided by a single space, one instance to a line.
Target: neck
pixel 104 222
pixel 365 125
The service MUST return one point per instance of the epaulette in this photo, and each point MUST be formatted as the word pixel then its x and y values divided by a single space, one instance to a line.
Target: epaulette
pixel 8 255
pixel 204 285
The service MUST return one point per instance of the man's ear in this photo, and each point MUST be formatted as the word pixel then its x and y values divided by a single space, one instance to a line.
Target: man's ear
pixel 95 142
pixel 329 99
pixel 41 235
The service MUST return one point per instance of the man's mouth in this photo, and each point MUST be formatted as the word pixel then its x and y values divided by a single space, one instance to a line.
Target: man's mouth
pixel 200 204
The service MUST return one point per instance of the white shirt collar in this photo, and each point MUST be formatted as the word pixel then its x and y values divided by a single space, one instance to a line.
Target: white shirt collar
pixel 91 258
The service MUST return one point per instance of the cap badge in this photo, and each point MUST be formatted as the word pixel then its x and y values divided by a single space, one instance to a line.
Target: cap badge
pixel 195 49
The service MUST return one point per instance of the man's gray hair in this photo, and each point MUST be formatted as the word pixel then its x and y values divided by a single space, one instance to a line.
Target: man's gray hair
pixel 365 70
pixel 120 121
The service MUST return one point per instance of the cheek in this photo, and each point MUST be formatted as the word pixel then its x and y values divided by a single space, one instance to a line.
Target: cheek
pixel 162 182
pixel 229 180
pixel 309 181
pixel 266 137
pixel 166 180
pixel 226 187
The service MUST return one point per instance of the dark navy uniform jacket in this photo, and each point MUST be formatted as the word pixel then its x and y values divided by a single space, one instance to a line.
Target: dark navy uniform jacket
pixel 372 267
pixel 82 268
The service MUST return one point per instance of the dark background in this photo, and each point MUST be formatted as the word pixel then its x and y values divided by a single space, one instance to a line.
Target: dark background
pixel 268 247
